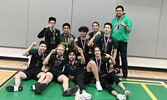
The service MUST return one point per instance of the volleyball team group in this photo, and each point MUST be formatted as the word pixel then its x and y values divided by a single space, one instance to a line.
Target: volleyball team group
pixel 90 58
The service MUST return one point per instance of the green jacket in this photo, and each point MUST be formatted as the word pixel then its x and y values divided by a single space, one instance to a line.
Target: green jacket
pixel 121 35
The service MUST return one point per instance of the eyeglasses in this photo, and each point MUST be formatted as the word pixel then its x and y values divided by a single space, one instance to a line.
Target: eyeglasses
pixel 52 22
pixel 118 10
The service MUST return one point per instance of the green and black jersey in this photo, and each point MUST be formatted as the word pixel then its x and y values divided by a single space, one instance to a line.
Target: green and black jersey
pixel 51 37
pixel 36 59
pixel 73 68
pixel 107 44
pixel 66 41
pixel 56 62
pixel 92 34
pixel 102 65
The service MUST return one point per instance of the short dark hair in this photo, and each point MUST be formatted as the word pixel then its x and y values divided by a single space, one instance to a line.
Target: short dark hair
pixel 120 6
pixel 108 24
pixel 52 19
pixel 66 24
pixel 43 42
pixel 75 53
pixel 96 23
pixel 83 29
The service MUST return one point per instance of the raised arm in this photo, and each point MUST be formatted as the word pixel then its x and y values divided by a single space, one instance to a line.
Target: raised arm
pixel 90 43
pixel 46 60
pixel 26 52
pixel 82 56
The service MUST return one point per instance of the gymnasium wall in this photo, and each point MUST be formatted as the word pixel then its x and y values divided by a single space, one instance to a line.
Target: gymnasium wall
pixel 22 20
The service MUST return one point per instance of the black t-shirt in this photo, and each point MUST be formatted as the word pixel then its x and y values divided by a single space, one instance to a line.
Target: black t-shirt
pixel 36 60
pixel 73 69
pixel 112 44
pixel 82 44
pixel 102 65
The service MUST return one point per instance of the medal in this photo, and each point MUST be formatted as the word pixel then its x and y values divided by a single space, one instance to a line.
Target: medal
pixel 105 49
pixel 83 44
pixel 98 64
pixel 66 48
pixel 106 43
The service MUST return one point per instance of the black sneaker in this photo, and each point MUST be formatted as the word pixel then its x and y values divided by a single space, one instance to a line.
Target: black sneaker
pixel 14 88
pixel 33 87
pixel 70 91
pixel 40 88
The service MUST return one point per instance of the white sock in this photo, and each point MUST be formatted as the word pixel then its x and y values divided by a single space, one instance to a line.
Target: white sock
pixel 16 88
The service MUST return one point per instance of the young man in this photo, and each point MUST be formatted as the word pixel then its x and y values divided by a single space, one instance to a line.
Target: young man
pixel 56 63
pixel 96 28
pixel 66 38
pixel 34 69
pixel 82 42
pixel 121 26
pixel 51 34
pixel 74 70
pixel 107 78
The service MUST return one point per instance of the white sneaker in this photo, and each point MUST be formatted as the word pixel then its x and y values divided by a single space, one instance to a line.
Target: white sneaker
pixel 121 97
pixel 81 97
pixel 84 96
pixel 98 86
pixel 127 92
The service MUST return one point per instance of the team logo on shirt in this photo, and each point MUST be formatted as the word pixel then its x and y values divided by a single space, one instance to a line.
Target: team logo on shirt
pixel 73 67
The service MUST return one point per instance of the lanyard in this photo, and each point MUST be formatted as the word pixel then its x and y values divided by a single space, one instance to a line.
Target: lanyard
pixel 98 64
pixel 106 42
pixel 83 44
pixel 59 58
pixel 72 63
pixel 66 39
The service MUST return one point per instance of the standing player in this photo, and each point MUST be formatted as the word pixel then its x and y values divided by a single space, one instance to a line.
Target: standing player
pixel 66 38
pixel 51 34
pixel 34 69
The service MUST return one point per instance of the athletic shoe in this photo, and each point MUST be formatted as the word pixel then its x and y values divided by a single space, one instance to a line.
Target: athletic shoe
pixel 84 96
pixel 33 87
pixel 40 88
pixel 121 97
pixel 70 91
pixel 14 88
pixel 98 86
pixel 126 92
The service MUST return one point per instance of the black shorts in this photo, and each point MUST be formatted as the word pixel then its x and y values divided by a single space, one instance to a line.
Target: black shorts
pixel 32 73
pixel 56 73
pixel 111 78
pixel 88 76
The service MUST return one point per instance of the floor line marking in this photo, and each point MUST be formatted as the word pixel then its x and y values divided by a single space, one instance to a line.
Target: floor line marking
pixel 141 83
pixel 164 84
pixel 148 91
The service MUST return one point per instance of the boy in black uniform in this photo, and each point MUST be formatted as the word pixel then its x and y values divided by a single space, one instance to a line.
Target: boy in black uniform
pixel 34 69
pixel 56 63
pixel 107 78
pixel 51 34
pixel 82 42
pixel 74 70
pixel 66 38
